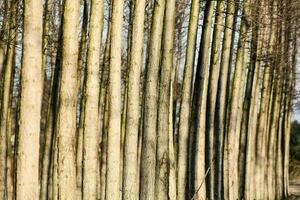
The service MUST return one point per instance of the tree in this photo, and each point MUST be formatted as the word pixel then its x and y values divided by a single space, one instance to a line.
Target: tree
pixel 114 107
pixel 184 116
pixel 66 119
pixel 92 88
pixel 148 161
pixel 30 103
pixel 130 188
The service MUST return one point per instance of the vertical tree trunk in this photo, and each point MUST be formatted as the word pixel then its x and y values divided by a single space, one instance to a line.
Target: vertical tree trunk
pixel 198 168
pixel 130 188
pixel 247 135
pixel 66 121
pixel 221 101
pixel 80 105
pixel 103 104
pixel 184 115
pixel 232 138
pixel 211 101
pixel 30 105
pixel 114 108
pixel 162 154
pixel 92 89
pixel 262 127
pixel 5 75
pixel 148 160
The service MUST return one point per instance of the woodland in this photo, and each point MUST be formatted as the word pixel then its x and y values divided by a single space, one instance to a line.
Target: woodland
pixel 148 99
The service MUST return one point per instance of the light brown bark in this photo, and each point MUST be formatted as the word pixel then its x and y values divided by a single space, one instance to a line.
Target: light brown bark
pixel 30 105
pixel 66 121
pixel 148 160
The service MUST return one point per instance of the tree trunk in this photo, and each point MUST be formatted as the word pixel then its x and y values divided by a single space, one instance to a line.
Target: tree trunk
pixel 148 160
pixel 130 188
pixel 31 101
pixel 184 115
pixel 211 101
pixel 114 107
pixel 92 89
pixel 162 154
pixel 198 169
pixel 222 95
pixel 66 121
pixel 232 138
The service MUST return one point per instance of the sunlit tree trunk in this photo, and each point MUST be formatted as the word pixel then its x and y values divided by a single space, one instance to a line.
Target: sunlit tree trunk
pixel 92 89
pixel 221 100
pixel 262 127
pixel 148 154
pixel 81 89
pixel 231 147
pixel 184 115
pixel 114 107
pixel 30 105
pixel 66 121
pixel 211 100
pixel 198 169
pixel 130 187
pixel 249 114
pixel 162 153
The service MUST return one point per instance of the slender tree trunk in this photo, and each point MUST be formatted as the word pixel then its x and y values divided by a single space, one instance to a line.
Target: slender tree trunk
pixel 104 150
pixel 130 188
pixel 66 122
pixel 262 127
pixel 211 100
pixel 162 154
pixel 221 104
pixel 172 149
pixel 184 115
pixel 114 108
pixel 81 89
pixel 4 34
pixel 247 135
pixel 148 160
pixel 6 56
pixel 232 138
pixel 198 169
pixel 92 88
pixel 31 101
pixel 103 104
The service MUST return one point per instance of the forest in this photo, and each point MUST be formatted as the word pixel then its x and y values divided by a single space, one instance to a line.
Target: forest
pixel 148 99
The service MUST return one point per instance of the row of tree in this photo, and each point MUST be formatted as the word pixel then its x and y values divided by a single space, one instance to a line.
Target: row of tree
pixel 146 99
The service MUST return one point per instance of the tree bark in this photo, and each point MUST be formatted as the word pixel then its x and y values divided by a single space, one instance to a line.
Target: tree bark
pixel 130 188
pixel 198 169
pixel 148 160
pixel 162 153
pixel 66 120
pixel 92 89
pixel 211 101
pixel 184 115
pixel 31 101
pixel 114 107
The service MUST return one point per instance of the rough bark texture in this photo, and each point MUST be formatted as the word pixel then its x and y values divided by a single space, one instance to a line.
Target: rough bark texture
pixel 66 124
pixel 114 107
pixel 162 153
pixel 30 105
pixel 211 144
pixel 130 187
pixel 92 89
pixel 148 160
pixel 198 169
pixel 184 116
